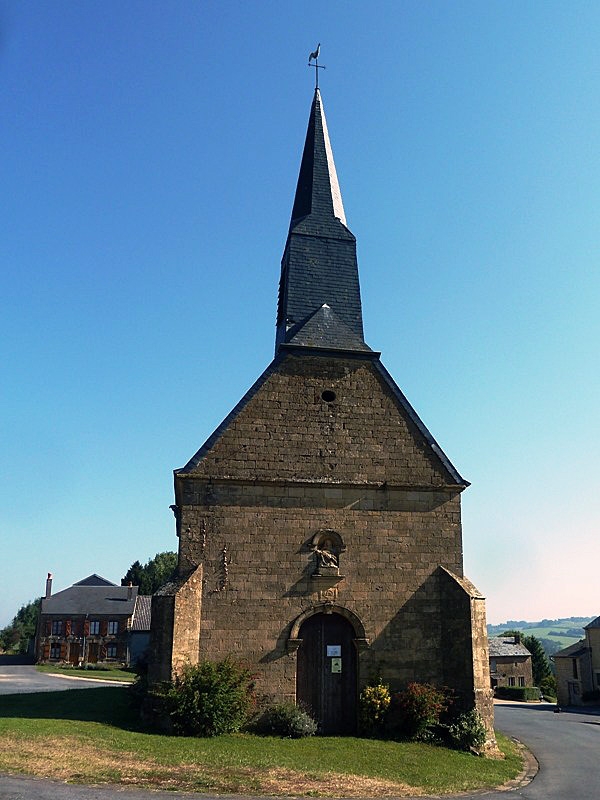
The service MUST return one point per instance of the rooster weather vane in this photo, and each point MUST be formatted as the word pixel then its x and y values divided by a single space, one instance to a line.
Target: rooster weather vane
pixel 314 56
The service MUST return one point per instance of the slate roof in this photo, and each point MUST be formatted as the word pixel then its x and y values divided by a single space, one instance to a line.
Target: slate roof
pixel 573 650
pixel 318 189
pixel 89 598
pixel 319 264
pixel 94 580
pixel 142 614
pixel 325 330
pixel 595 623
pixel 500 646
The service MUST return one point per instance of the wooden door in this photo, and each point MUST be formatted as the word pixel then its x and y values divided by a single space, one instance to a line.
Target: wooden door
pixel 326 673
pixel 74 653
pixel 92 652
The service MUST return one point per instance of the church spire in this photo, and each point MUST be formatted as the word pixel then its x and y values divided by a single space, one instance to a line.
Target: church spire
pixel 318 189
pixel 319 294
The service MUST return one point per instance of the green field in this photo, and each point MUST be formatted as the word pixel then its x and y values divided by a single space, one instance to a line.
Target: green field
pixel 553 633
pixel 93 736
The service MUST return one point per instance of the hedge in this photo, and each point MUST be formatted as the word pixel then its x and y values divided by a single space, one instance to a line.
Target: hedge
pixel 518 692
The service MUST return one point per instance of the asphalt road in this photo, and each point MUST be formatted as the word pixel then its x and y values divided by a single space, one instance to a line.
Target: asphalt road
pixel 20 679
pixel 566 745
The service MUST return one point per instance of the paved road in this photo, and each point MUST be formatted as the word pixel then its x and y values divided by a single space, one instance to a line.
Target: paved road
pixel 567 746
pixel 21 679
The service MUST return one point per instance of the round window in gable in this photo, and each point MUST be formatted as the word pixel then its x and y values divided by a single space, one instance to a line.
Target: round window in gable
pixel 328 396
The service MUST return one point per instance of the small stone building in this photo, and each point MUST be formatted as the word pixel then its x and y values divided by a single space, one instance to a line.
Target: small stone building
pixel 510 662
pixel 93 620
pixel 320 525
pixel 578 669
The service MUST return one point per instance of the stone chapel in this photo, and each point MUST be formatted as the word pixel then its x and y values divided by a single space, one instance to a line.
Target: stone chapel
pixel 320 524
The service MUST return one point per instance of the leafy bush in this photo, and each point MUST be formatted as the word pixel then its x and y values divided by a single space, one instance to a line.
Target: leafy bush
pixel 373 707
pixel 415 712
pixel 138 691
pixel 548 686
pixel 285 719
pixel 466 732
pixel 522 693
pixel 209 699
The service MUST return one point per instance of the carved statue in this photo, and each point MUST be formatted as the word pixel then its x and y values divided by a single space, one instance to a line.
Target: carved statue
pixel 325 557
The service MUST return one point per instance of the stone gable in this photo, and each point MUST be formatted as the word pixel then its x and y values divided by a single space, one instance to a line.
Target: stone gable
pixel 286 429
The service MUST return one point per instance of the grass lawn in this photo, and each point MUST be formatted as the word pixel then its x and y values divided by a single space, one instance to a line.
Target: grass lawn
pixel 95 674
pixel 92 736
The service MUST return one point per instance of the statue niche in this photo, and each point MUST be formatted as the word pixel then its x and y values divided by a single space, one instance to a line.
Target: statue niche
pixel 327 546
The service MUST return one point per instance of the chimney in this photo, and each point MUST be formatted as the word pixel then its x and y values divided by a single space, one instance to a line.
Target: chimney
pixel 49 585
pixel 517 638
pixel 129 591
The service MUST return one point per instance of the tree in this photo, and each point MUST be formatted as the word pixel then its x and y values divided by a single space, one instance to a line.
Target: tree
pixel 153 574
pixel 15 637
pixel 539 661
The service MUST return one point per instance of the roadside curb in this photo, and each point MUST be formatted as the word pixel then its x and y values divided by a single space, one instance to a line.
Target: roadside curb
pixel 530 769
pixel 88 680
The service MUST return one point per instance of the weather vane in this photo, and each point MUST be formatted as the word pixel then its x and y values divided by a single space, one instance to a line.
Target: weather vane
pixel 315 57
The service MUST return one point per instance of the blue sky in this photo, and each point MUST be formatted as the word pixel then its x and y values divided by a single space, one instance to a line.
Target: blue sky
pixel 149 155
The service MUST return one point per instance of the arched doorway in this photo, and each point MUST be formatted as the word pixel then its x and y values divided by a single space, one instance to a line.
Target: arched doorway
pixel 326 675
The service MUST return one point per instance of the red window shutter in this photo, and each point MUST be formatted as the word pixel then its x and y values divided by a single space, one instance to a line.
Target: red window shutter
pixel 48 627
pixel 86 628
pixel 103 627
pixel 68 628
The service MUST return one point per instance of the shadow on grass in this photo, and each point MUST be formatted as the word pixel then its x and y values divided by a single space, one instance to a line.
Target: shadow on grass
pixel 110 706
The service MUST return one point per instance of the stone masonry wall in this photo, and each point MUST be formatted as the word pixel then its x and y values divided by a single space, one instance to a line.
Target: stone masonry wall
pixel 259 562
pixel 290 463
pixel 287 431
pixel 465 649
pixel 513 667
pixel 161 638
pixel 186 620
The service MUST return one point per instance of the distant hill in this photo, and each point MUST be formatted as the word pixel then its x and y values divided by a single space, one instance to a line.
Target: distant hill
pixel 554 634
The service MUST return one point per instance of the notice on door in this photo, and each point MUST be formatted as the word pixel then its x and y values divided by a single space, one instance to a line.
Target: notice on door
pixel 334 650
pixel 336 664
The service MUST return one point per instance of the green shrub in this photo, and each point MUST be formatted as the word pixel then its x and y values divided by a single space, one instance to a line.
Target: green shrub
pixel 373 707
pixel 522 693
pixel 548 687
pixel 284 719
pixel 415 713
pixel 138 691
pixel 466 732
pixel 209 699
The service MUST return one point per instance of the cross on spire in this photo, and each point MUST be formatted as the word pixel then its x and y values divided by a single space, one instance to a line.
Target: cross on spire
pixel 314 56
